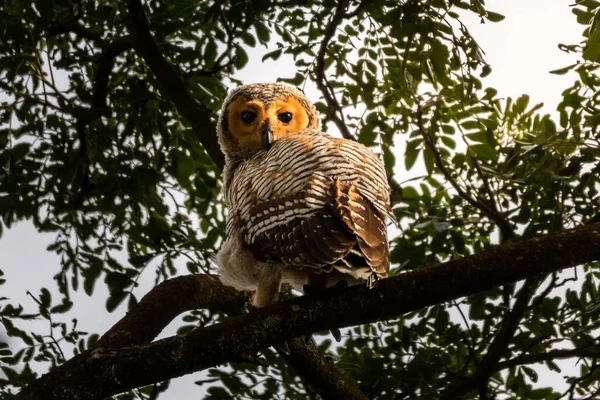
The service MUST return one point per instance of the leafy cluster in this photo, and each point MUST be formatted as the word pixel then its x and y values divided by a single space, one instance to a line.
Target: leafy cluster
pixel 100 150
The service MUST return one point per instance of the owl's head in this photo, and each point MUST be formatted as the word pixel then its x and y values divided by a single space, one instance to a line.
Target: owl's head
pixel 256 115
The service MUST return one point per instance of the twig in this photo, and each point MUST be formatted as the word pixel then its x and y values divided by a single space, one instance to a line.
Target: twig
pixel 499 344
pixel 491 213
pixel 85 116
pixel 588 352
pixel 319 372
pixel 173 85
pixel 335 110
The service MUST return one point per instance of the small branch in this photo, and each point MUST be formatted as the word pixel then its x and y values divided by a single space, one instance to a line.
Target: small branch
pixel 85 116
pixel 492 214
pixel 335 110
pixel 588 352
pixel 173 85
pixel 508 233
pixel 99 374
pixel 220 63
pixel 501 341
pixel 62 27
pixel 319 372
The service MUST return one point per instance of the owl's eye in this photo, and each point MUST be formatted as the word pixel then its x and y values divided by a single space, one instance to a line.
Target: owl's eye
pixel 248 116
pixel 285 117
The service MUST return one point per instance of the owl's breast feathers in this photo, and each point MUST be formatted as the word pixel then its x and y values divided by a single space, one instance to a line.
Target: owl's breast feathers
pixel 315 202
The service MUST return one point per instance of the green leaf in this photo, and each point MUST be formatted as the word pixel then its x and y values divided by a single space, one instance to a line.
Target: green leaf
pixel 494 16
pixel 367 135
pixel 114 300
pixel 530 372
pixel 409 193
pixel 484 151
pixel 45 8
pixel 542 393
pixel 411 154
pixel 563 71
pixel 458 241
pixel 185 166
pixel 262 32
pixel 45 298
pixel 275 54
pixel 241 57
pixel 19 151
pixel 441 322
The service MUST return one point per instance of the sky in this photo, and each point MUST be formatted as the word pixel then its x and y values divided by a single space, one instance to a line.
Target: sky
pixel 521 50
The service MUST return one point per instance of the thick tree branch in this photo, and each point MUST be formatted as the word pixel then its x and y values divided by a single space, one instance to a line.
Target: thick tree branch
pixel 172 85
pixel 98 375
pixel 335 110
pixel 165 302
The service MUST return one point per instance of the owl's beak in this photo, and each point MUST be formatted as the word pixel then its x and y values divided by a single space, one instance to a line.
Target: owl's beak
pixel 266 135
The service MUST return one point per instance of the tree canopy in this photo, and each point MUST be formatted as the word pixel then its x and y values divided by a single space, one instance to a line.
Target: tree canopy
pixel 108 143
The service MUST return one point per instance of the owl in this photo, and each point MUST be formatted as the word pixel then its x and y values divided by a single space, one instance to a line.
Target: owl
pixel 303 207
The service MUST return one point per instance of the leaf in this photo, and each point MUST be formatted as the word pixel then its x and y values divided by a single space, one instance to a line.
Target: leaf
pixel 367 135
pixel 90 275
pixel 62 308
pixel 458 241
pixel 530 372
pixel 542 393
pixel 141 260
pixel 448 141
pixel 45 298
pixel 409 193
pixel 429 160
pixel 494 16
pixel 114 300
pixel 45 8
pixel 275 54
pixel 484 151
pixel 564 70
pixel 185 166
pixel 441 321
pixel 411 154
pixel 262 32
pixel 241 57
pixel 19 151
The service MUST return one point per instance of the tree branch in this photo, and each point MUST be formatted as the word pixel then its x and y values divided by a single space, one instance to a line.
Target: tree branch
pixel 320 372
pixel 85 116
pixel 588 352
pixel 165 302
pixel 505 228
pixel 499 344
pixel 97 375
pixel 335 110
pixel 172 85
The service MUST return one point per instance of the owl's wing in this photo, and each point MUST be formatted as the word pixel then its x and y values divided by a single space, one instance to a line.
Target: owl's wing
pixel 314 201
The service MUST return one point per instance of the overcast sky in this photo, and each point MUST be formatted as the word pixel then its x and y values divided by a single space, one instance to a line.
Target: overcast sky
pixel 521 50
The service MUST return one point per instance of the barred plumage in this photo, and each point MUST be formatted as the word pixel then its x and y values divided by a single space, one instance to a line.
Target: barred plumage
pixel 307 204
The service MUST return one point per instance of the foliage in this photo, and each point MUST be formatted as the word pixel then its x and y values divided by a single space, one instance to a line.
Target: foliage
pixel 94 152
